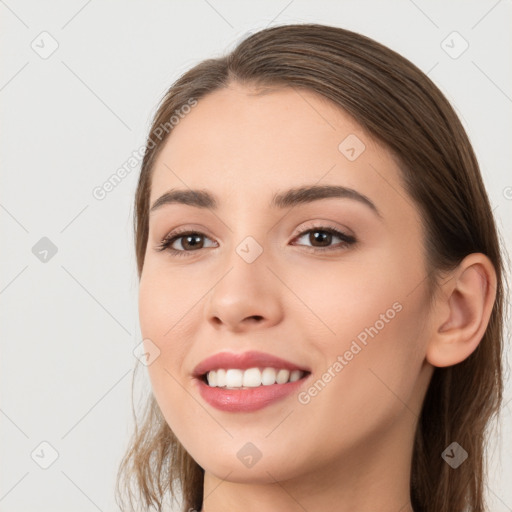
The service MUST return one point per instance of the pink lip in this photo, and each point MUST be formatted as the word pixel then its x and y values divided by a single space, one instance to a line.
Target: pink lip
pixel 243 361
pixel 247 400
pixel 251 399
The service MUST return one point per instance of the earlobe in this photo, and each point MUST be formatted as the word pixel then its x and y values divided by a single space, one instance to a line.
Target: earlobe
pixel 462 311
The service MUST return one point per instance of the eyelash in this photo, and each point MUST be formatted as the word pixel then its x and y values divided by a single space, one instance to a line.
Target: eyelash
pixel 347 240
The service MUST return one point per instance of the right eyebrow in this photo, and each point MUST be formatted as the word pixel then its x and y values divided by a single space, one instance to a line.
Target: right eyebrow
pixel 197 198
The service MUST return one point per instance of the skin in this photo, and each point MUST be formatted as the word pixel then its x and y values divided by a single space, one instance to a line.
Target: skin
pixel 350 447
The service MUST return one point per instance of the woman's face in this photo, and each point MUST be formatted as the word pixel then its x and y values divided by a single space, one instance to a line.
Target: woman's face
pixel 264 271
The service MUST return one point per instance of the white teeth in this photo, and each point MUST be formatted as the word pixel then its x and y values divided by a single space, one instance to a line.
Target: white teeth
pixel 234 378
pixel 221 378
pixel 251 378
pixel 212 379
pixel 295 375
pixel 268 376
pixel 282 376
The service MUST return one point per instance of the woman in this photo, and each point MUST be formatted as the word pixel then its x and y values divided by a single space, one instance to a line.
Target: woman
pixel 320 286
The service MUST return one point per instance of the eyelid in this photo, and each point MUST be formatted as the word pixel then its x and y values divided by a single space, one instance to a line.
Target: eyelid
pixel 323 225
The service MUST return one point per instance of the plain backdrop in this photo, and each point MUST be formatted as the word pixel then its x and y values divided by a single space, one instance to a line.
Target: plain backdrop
pixel 79 82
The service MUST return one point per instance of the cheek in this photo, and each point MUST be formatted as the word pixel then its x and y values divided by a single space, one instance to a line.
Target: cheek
pixel 372 315
pixel 166 299
pixel 368 374
pixel 378 317
pixel 345 298
pixel 163 320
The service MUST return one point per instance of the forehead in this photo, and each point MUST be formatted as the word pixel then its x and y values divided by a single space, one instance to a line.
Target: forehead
pixel 244 145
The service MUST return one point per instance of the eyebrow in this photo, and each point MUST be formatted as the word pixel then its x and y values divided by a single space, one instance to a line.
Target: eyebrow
pixel 292 197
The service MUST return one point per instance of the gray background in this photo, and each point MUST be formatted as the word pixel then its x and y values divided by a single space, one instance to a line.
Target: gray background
pixel 69 323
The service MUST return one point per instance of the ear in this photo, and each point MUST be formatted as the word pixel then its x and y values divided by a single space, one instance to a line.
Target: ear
pixel 462 310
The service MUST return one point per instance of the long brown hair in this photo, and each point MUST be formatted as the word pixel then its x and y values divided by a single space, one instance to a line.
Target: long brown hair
pixel 402 108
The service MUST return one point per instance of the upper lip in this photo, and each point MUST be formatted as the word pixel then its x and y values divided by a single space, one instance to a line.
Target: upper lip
pixel 243 361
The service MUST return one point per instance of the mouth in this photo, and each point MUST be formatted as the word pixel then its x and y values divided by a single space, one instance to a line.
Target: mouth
pixel 246 399
pixel 248 381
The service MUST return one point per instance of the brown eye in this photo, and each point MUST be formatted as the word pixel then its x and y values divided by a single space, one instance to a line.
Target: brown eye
pixel 181 243
pixel 322 238
pixel 191 241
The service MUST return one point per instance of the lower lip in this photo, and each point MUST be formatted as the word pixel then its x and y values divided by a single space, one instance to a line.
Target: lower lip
pixel 247 400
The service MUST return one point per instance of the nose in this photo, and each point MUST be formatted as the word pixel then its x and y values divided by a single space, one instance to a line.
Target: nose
pixel 247 297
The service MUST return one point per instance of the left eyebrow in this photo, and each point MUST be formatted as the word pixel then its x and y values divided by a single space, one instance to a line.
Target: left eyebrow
pixel 288 198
